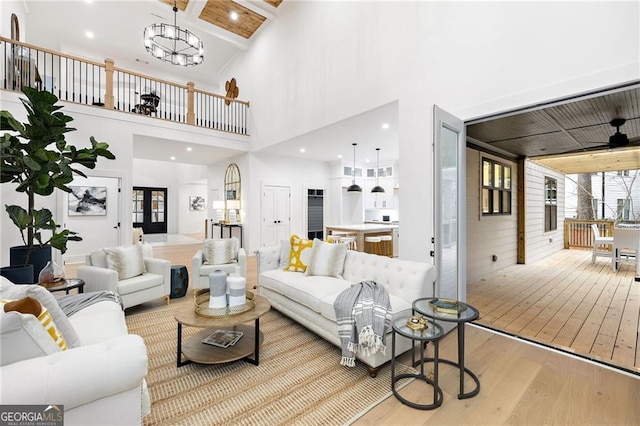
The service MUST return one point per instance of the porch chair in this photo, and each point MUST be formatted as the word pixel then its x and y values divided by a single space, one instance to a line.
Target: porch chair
pixel 626 246
pixel 599 241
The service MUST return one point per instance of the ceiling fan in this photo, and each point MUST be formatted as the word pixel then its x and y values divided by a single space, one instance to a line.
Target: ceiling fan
pixel 618 139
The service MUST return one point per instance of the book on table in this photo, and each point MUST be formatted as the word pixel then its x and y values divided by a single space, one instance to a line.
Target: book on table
pixel 447 306
pixel 223 338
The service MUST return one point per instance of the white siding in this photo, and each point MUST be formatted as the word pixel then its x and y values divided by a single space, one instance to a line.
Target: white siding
pixel 540 244
pixel 488 235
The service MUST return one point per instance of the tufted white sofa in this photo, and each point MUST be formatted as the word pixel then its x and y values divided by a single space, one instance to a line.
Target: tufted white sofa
pixel 309 299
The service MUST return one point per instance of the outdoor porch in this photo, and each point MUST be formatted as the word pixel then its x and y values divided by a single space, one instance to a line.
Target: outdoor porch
pixel 566 302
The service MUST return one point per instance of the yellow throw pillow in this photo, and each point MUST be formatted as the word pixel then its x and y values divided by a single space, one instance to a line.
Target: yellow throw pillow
pixel 48 324
pixel 299 255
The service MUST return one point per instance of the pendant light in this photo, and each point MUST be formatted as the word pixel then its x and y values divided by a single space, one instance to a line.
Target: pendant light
pixel 377 188
pixel 354 187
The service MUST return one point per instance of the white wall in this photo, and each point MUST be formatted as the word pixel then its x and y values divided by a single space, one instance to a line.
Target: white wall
pixel 470 58
pixel 298 175
pixel 120 131
pixel 178 178
pixel 489 235
pixel 540 244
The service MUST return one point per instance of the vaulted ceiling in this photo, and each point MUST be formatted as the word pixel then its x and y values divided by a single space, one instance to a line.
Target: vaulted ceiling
pixel 218 12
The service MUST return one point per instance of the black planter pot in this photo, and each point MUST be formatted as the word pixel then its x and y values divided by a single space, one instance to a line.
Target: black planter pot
pixel 22 274
pixel 38 257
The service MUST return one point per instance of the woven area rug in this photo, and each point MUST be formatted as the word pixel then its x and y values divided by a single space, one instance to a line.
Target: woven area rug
pixel 299 379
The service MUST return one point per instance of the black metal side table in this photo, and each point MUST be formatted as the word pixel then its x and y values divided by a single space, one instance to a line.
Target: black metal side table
pixel 432 333
pixel 69 284
pixel 466 314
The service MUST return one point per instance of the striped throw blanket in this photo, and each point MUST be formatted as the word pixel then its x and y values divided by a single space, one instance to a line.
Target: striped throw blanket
pixel 363 312
pixel 73 303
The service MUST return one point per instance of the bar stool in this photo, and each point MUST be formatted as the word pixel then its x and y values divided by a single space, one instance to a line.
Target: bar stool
pixel 350 240
pixel 335 237
pixel 386 245
pixel 372 245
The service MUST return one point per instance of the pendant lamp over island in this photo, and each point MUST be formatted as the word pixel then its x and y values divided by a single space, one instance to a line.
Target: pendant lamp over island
pixel 377 188
pixel 354 187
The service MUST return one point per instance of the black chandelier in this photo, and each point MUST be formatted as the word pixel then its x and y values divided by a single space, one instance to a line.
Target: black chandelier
pixel 170 43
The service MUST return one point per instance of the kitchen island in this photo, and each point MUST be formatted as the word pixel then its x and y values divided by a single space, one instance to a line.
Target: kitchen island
pixel 360 231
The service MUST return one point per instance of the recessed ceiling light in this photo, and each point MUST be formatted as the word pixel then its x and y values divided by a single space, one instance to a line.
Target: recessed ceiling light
pixel 89 34
pixel 385 125
pixel 339 155
pixel 173 158
pixel 189 149
pixel 366 161
pixel 233 15
pixel 303 150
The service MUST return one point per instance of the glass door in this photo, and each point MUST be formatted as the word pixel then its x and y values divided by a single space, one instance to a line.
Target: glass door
pixel 150 209
pixel 450 217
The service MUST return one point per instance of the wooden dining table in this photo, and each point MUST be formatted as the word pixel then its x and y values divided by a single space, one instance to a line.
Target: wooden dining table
pixel 361 230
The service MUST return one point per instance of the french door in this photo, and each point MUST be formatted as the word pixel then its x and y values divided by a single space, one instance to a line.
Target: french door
pixel 150 209
pixel 450 212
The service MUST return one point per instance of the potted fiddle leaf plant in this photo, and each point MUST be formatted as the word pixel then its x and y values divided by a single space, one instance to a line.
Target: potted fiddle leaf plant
pixel 35 157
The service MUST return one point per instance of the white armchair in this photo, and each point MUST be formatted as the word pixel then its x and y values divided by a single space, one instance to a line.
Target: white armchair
pixel 201 270
pixel 154 283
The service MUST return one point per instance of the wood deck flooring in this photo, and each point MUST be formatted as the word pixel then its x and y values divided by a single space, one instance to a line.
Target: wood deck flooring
pixel 566 302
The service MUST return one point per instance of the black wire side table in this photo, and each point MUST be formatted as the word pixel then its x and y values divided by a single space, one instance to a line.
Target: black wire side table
pixel 432 333
pixel 467 313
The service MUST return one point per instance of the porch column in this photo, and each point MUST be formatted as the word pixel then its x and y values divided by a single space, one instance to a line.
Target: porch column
pixel 521 211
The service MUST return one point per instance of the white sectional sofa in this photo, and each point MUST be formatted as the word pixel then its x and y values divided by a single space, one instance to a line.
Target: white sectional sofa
pixel 309 299
pixel 99 379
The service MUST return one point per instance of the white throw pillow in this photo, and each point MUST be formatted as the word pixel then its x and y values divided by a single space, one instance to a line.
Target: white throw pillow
pixel 219 251
pixel 128 261
pixel 9 290
pixel 23 337
pixel 327 259
pixel 285 250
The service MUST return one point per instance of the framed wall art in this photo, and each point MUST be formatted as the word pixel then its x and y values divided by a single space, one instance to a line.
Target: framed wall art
pixel 87 201
pixel 197 203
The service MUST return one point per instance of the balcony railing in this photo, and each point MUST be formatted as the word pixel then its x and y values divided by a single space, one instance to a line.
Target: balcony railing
pixel 104 85
pixel 578 233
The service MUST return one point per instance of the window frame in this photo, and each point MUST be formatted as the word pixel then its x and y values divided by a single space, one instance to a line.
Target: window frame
pixel 496 189
pixel 550 204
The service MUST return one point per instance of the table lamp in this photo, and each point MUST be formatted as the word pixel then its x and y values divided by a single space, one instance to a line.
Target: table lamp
pixel 218 206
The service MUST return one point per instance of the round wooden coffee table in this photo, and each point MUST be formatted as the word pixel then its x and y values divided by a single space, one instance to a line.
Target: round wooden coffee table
pixel 195 351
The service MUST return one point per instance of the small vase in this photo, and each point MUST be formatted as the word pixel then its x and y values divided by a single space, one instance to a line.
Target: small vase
pixel 51 274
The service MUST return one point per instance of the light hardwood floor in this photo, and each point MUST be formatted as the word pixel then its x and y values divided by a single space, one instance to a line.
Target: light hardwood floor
pixel 520 383
pixel 567 302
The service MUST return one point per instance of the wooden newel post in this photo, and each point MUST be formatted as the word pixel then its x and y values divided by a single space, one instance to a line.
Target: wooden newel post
pixel 108 95
pixel 191 114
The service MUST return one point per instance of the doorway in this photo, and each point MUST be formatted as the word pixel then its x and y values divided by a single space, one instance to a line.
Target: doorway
pixel 150 209
pixel 275 208
pixel 315 213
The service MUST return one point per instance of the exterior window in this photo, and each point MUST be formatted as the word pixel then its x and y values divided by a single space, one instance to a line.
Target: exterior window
pixel 550 204
pixel 624 207
pixel 496 188
pixel 623 172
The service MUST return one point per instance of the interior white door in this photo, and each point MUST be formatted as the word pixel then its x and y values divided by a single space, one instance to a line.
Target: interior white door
pixel 449 215
pixel 98 227
pixel 275 208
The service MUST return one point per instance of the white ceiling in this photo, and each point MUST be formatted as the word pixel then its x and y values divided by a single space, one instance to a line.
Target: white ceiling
pixel 153 148
pixel 118 26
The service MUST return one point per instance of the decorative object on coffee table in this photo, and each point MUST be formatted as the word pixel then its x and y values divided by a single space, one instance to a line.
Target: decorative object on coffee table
pixel 195 351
